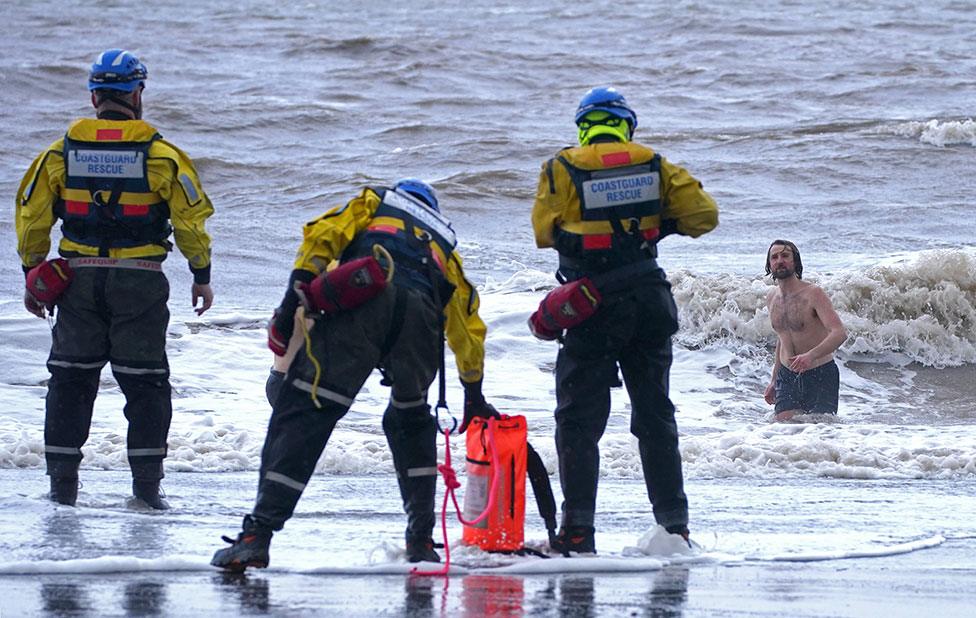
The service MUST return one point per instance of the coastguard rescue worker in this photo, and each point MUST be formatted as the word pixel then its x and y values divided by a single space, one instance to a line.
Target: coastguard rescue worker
pixel 603 206
pixel 399 329
pixel 120 190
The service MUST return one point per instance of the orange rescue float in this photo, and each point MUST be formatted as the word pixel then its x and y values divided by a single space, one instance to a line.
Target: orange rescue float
pixel 504 527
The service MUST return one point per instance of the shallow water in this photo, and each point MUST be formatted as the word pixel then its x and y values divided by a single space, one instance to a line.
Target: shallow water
pixel 815 547
pixel 847 130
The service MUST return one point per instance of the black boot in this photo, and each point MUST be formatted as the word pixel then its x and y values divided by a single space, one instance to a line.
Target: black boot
pixel 249 549
pixel 578 539
pixel 421 549
pixel 64 481
pixel 681 530
pixel 64 490
pixel 148 491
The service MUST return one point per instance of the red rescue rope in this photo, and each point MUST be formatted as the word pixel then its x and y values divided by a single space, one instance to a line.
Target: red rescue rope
pixel 450 480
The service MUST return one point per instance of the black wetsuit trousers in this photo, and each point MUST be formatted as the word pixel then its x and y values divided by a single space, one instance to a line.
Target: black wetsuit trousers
pixel 631 329
pixel 347 347
pixel 119 316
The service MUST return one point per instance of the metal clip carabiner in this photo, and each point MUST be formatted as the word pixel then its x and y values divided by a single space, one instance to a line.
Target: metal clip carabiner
pixel 98 200
pixel 437 419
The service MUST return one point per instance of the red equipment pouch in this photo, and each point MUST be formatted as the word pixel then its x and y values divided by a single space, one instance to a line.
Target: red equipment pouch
pixel 345 287
pixel 47 281
pixel 567 306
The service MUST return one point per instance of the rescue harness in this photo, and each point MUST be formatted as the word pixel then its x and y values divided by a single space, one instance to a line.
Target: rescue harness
pixel 104 171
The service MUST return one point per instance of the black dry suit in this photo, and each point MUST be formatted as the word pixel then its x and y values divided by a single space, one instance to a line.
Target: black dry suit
pixel 114 313
pixel 399 330
pixel 603 208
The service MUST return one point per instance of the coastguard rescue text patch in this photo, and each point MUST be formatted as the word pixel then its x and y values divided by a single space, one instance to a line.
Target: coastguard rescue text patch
pixel 105 163
pixel 621 190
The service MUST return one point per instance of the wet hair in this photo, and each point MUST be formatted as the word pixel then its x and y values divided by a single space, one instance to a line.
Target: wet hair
pixel 103 95
pixel 797 262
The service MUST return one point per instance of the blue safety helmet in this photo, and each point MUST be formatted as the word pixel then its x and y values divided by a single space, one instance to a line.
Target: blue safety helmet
pixel 606 99
pixel 419 189
pixel 116 69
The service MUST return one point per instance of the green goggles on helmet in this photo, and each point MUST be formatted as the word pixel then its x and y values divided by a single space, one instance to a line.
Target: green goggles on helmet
pixel 587 123
pixel 600 122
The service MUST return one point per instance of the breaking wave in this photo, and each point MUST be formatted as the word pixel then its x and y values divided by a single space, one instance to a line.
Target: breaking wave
pixel 924 309
pixel 940 133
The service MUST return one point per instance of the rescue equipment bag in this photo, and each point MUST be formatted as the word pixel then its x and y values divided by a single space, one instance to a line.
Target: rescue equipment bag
pixel 348 285
pixel 504 527
pixel 567 306
pixel 47 281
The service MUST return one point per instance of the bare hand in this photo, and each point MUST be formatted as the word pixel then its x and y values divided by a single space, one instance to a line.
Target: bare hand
pixel 770 394
pixel 202 291
pixel 33 306
pixel 801 362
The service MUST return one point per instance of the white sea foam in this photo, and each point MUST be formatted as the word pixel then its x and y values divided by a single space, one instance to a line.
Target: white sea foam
pixel 865 552
pixel 832 451
pixel 106 564
pixel 939 132
pixel 924 308
pixel 919 308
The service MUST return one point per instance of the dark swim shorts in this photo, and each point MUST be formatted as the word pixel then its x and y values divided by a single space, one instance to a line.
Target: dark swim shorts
pixel 814 391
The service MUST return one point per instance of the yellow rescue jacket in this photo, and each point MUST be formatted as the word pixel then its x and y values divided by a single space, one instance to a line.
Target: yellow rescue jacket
pixel 167 188
pixel 325 239
pixel 683 203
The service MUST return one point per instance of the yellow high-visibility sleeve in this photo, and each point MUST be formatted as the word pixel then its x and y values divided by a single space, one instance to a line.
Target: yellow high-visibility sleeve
pixel 465 329
pixel 173 176
pixel 325 238
pixel 686 201
pixel 551 201
pixel 34 216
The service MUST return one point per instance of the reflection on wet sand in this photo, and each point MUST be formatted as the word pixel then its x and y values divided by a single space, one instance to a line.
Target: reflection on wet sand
pixel 492 595
pixel 419 596
pixel 252 594
pixel 144 598
pixel 669 593
pixel 576 596
pixel 66 599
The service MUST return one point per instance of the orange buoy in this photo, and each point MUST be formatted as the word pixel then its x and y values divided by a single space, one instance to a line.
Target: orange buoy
pixel 504 527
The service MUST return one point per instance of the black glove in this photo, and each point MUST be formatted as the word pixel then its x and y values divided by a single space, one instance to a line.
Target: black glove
pixel 475 404
pixel 667 227
pixel 279 332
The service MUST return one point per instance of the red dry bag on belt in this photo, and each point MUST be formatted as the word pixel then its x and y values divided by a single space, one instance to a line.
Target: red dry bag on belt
pixel 345 287
pixel 504 527
pixel 565 307
pixel 47 281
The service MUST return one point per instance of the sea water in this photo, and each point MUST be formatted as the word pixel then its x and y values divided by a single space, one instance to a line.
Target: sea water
pixel 848 130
